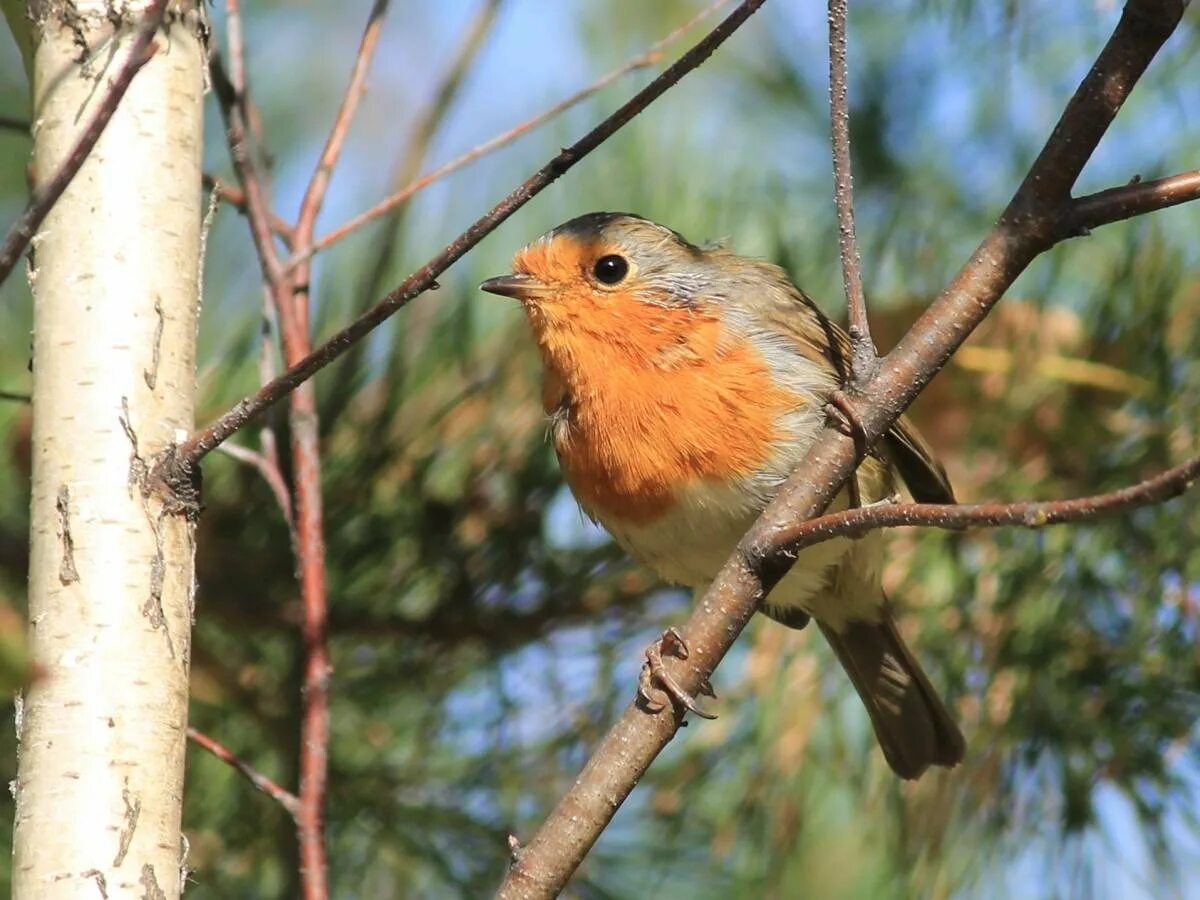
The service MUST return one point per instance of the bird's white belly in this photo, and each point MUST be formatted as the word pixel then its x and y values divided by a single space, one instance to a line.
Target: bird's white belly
pixel 691 542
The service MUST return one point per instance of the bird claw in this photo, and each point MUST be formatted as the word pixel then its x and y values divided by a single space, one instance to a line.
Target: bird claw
pixel 844 416
pixel 655 680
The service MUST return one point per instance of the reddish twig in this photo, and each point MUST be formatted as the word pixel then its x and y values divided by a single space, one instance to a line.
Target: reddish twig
pixel 272 789
pixel 318 185
pixel 314 698
pixel 1025 229
pixel 292 301
pixel 787 542
pixel 141 50
pixel 201 443
pixel 236 198
pixel 643 60
pixel 388 238
pixel 864 359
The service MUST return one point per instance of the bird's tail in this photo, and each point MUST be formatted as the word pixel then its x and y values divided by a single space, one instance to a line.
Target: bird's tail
pixel 912 724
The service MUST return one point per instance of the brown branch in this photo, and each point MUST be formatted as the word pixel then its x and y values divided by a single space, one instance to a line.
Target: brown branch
pixel 15 123
pixel 236 198
pixel 642 61
pixel 864 359
pixel 1024 230
pixel 231 101
pixel 201 443
pixel 1129 200
pixel 16 397
pixel 787 542
pixel 141 50
pixel 272 789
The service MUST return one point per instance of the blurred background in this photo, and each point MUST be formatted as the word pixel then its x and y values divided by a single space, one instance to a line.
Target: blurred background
pixel 484 634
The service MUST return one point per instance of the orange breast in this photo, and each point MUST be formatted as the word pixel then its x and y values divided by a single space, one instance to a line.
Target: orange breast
pixel 644 411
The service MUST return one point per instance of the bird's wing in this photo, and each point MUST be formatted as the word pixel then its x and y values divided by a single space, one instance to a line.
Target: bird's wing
pixel 925 476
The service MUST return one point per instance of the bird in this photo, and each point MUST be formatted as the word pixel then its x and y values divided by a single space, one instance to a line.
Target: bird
pixel 682 385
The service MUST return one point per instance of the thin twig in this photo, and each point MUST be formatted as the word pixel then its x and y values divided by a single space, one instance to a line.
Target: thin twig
pixel 789 541
pixel 644 60
pixel 318 185
pixel 14 123
pixel 202 442
pixel 864 359
pixel 1129 200
pixel 427 123
pixel 236 198
pixel 388 238
pixel 232 104
pixel 1025 229
pixel 141 50
pixel 16 397
pixel 269 469
pixel 271 788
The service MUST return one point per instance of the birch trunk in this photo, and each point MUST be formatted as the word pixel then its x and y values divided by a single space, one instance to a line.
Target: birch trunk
pixel 114 277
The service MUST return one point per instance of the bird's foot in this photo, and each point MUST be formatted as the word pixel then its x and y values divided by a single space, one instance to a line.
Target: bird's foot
pixel 844 416
pixel 655 680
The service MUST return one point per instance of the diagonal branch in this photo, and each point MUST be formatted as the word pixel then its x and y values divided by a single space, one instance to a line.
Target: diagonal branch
pixel 141 51
pixel 1025 229
pixel 201 443
pixel 864 359
pixel 271 788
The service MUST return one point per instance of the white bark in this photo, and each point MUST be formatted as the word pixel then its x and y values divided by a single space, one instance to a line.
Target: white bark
pixel 100 779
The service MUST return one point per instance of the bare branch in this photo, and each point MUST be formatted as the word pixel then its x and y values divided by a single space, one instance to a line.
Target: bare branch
pixel 787 542
pixel 314 196
pixel 1133 199
pixel 272 789
pixel 1024 230
pixel 202 442
pixel 236 198
pixel 16 397
pixel 231 101
pixel 864 359
pixel 141 50
pixel 643 60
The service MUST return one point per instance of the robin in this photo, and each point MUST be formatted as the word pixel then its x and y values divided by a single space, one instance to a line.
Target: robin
pixel 683 385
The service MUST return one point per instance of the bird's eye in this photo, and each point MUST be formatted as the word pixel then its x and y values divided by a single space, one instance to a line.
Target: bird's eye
pixel 610 269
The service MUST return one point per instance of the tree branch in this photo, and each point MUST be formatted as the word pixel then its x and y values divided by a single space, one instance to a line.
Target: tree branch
pixel 1129 200
pixel 201 443
pixel 787 542
pixel 864 359
pixel 643 60
pixel 1024 230
pixel 141 51
pixel 272 789
pixel 236 198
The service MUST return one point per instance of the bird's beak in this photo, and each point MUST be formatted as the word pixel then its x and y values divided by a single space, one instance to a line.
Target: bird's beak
pixel 519 286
